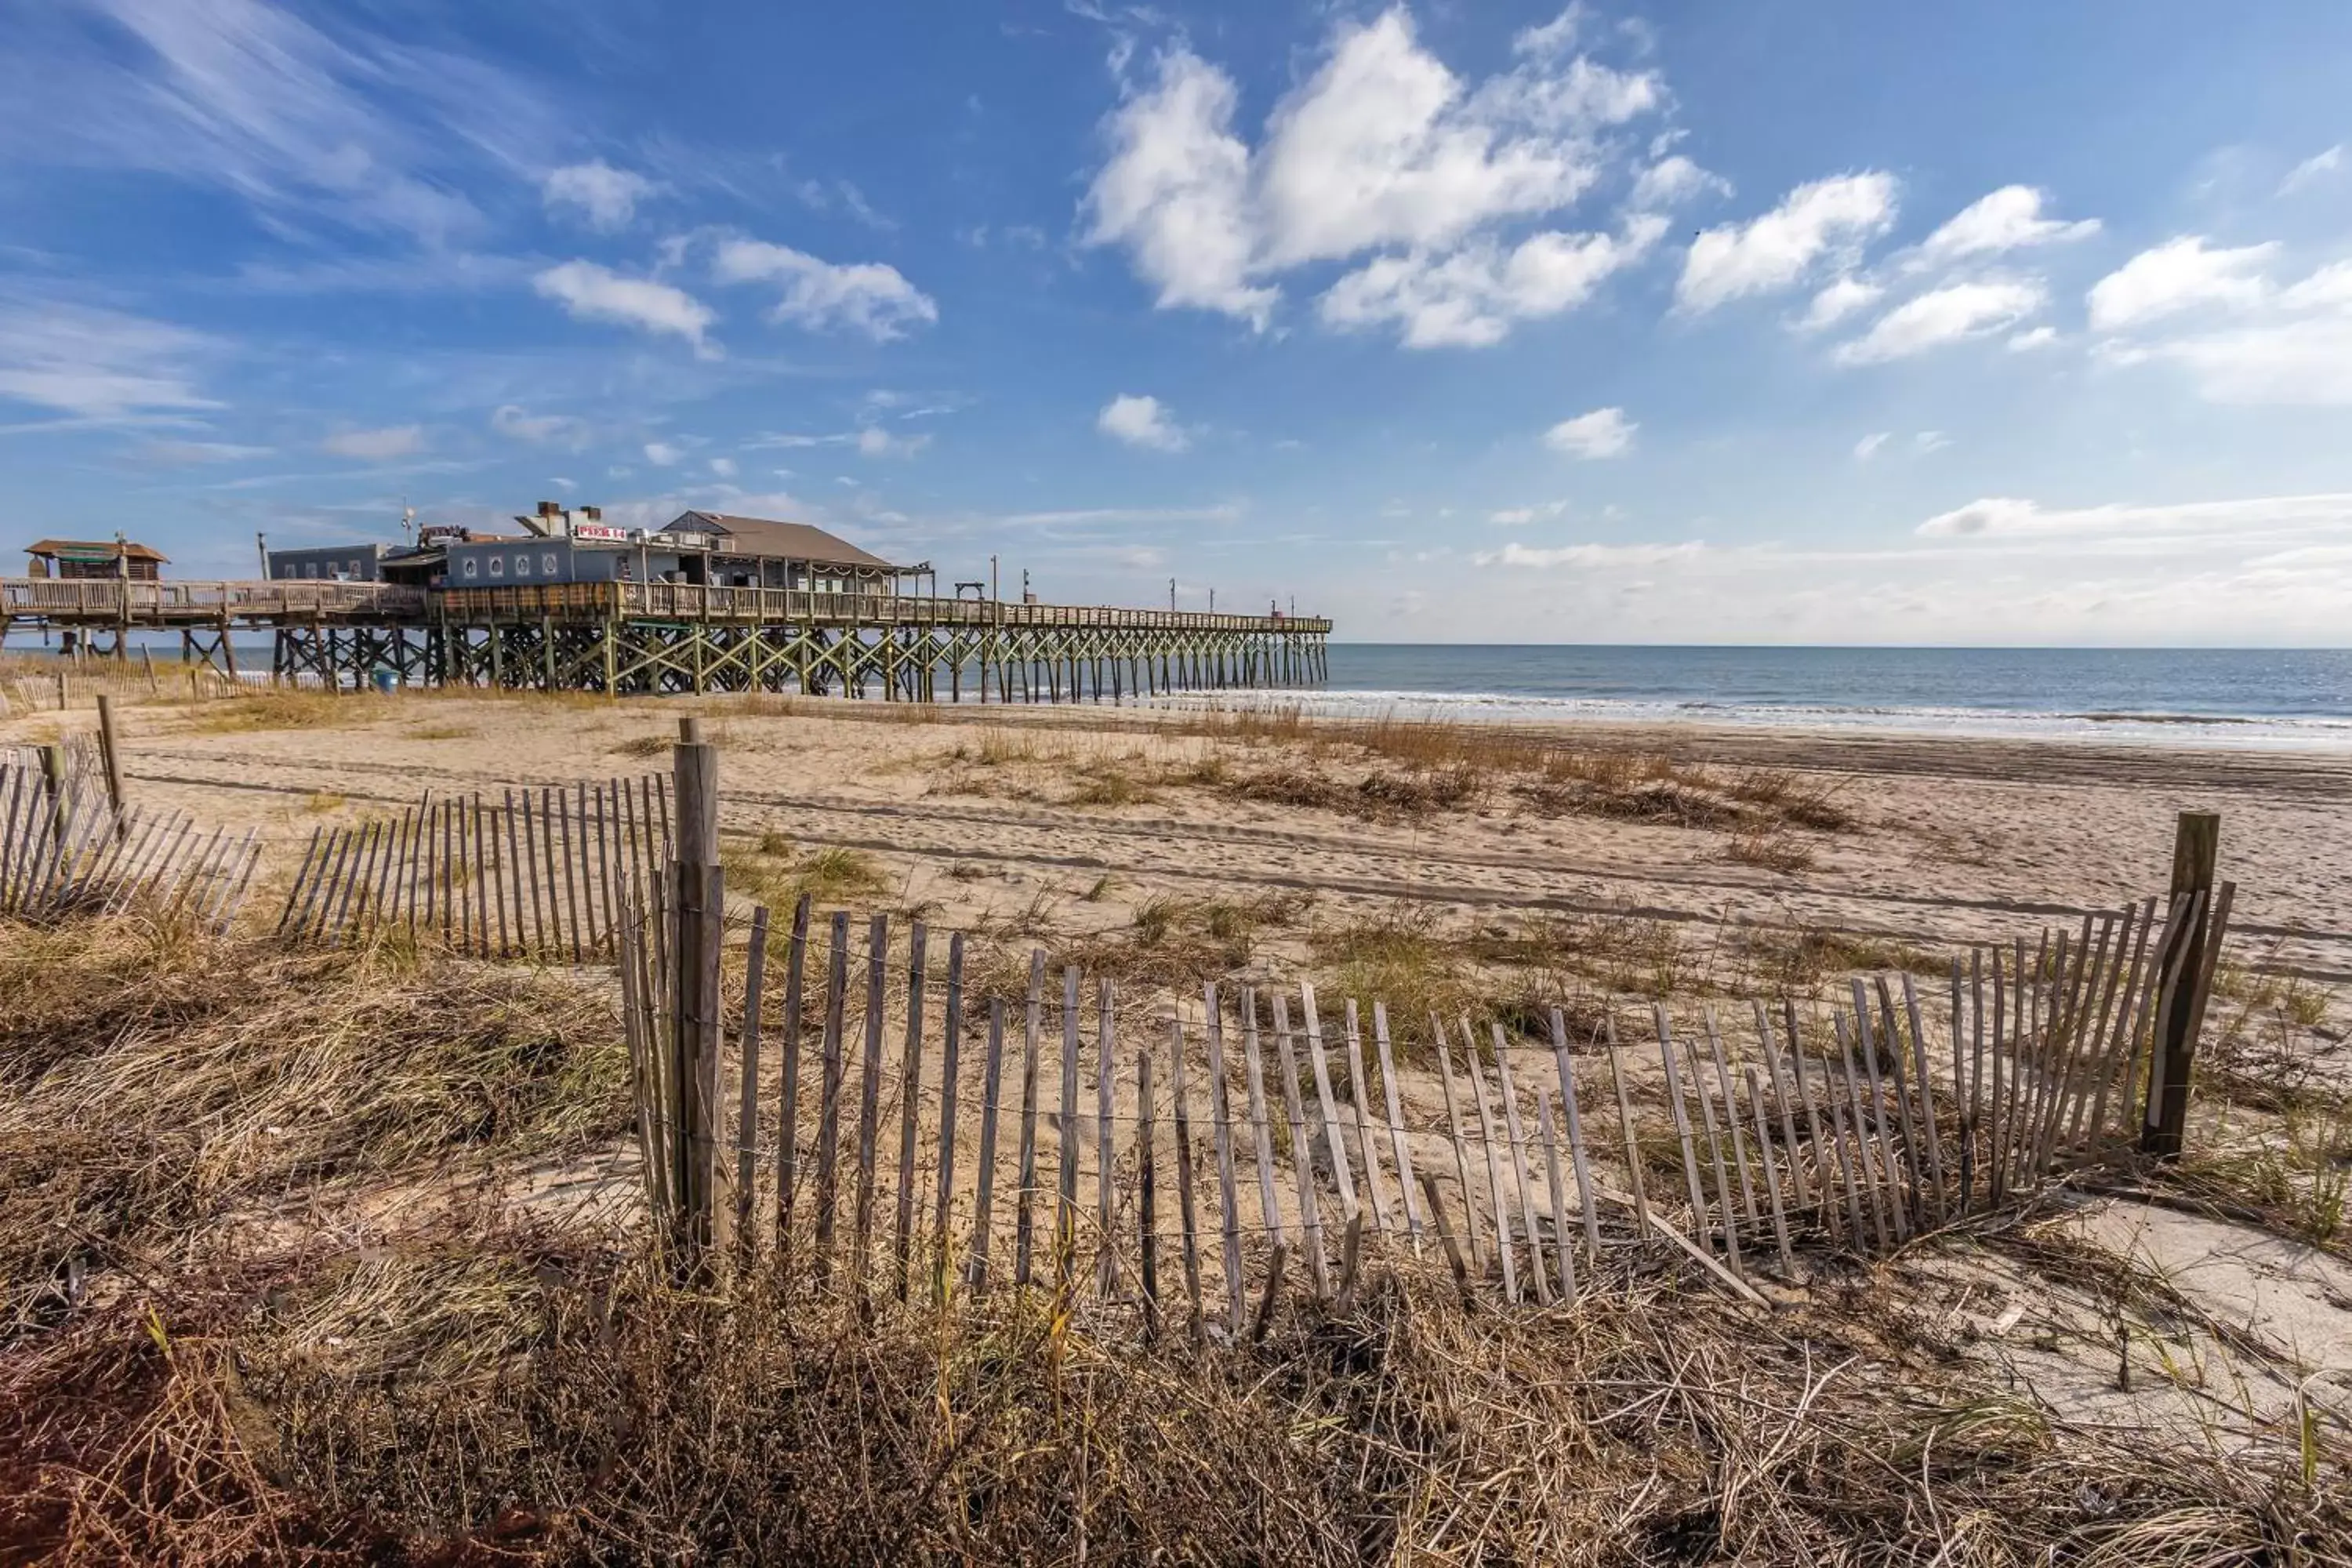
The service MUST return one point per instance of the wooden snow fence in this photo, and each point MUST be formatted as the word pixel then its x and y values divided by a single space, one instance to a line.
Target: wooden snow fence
pixel 79 684
pixel 535 871
pixel 68 846
pixel 1050 1133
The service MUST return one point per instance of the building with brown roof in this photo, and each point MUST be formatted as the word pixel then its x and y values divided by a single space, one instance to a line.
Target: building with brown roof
pixel 107 558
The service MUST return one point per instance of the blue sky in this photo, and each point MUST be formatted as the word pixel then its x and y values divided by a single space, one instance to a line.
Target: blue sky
pixel 1798 320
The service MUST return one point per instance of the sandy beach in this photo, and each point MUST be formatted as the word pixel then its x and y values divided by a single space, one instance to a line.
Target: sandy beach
pixel 1086 815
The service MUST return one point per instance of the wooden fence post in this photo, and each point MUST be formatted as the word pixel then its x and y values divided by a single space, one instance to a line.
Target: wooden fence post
pixel 109 753
pixel 2196 853
pixel 698 899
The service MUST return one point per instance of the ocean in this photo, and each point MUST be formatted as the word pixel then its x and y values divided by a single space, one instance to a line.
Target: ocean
pixel 2294 699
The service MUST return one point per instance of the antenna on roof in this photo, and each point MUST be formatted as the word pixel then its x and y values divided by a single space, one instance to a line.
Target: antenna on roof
pixel 408 521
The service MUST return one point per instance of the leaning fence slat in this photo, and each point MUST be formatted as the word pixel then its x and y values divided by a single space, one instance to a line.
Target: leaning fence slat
pixel 1681 1124
pixel 788 1123
pixel 950 1058
pixel 1220 1126
pixel 1261 1133
pixel 1731 1115
pixel 1065 1185
pixel 1575 1130
pixel 1024 1192
pixel 1510 1098
pixel 1454 1131
pixel 1302 1156
pixel 1147 1216
pixel 747 1118
pixel 1502 1213
pixel 1771 1177
pixel 1800 1189
pixel 1876 1175
pixel 1399 1149
pixel 910 1102
pixel 1563 1248
pixel 301 874
pixel 1358 1086
pixel 869 1097
pixel 1625 1132
pixel 1930 1126
pixel 1106 1145
pixel 1335 1143
pixel 1705 1097
pixel 1180 1112
pixel 1900 1192
pixel 828 1132
pixel 984 1185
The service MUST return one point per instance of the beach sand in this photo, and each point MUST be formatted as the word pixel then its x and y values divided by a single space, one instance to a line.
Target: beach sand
pixel 975 813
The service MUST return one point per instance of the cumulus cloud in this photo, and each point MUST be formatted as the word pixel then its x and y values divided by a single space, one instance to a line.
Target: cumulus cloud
pixel 1996 517
pixel 2033 338
pixel 1603 433
pixel 1672 181
pixel 2007 219
pixel 518 424
pixel 873 441
pixel 1843 297
pixel 1142 421
pixel 1867 447
pixel 1473 296
pixel 2313 171
pixel 600 195
pixel 2180 275
pixel 1780 248
pixel 380 446
pixel 1381 149
pixel 664 454
pixel 1593 556
pixel 724 468
pixel 1945 316
pixel 592 293
pixel 869 297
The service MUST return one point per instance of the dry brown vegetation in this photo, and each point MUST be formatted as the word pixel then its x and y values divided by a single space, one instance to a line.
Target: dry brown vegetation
pixel 253 1318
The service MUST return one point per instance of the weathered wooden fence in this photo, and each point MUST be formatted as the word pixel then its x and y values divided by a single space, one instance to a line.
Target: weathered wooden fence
pixel 68 846
pixel 764 1122
pixel 79 683
pixel 537 872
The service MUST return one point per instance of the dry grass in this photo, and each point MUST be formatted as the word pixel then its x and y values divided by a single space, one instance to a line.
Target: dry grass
pixel 268 709
pixel 243 1382
pixel 643 746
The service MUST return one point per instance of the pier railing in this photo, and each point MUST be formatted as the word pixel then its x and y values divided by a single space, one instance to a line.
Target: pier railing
pixel 688 602
pixel 151 604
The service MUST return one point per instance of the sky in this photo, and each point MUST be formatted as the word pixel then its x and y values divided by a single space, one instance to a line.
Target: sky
pixel 1788 321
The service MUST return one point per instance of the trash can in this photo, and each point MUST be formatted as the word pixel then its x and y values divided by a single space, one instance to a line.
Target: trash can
pixel 386 680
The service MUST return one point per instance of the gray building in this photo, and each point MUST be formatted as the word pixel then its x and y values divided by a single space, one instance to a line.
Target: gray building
pixel 559 558
pixel 330 563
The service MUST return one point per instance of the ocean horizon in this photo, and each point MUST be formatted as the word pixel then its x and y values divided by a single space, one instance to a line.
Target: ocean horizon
pixel 2296 699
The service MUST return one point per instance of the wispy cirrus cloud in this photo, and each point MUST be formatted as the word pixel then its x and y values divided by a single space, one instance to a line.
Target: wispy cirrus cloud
pixel 98 364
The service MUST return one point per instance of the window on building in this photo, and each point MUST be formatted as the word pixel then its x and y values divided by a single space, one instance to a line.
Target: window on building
pixel 547 563
pixel 522 565
pixel 498 566
pixel 355 569
pixel 309 569
pixel 470 565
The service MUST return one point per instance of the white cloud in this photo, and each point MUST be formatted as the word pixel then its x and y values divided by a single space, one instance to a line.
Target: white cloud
pixel 1672 181
pixel 1142 421
pixel 2314 170
pixel 1928 441
pixel 594 293
pixel 1384 150
pixel 1592 556
pixel 1520 516
pixel 604 198
pixel 1945 316
pixel 724 468
pixel 178 454
pixel 1473 296
pixel 1841 299
pixel 664 454
pixel 1174 192
pixel 2007 219
pixel 2177 276
pixel 517 423
pixel 876 442
pixel 1226 512
pixel 1549 40
pixel 1603 433
pixel 98 365
pixel 2033 338
pixel 381 446
pixel 1779 249
pixel 2008 517
pixel 1867 447
pixel 868 297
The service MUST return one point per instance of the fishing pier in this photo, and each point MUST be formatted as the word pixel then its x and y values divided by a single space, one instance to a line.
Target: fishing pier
pixel 624 637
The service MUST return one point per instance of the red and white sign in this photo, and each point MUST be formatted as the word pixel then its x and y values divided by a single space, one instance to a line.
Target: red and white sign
pixel 599 531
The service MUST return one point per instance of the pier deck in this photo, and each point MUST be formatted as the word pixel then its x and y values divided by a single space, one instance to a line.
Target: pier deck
pixel 623 637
